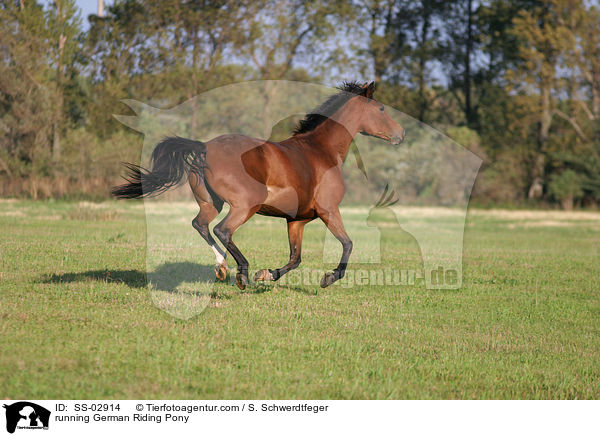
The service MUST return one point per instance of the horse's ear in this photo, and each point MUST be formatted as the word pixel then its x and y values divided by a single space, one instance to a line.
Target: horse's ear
pixel 370 90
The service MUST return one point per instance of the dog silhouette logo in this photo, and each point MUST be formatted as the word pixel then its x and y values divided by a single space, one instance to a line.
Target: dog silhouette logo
pixel 26 415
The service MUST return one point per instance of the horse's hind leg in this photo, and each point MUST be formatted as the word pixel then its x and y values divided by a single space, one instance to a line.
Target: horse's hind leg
pixel 224 231
pixel 295 233
pixel 208 212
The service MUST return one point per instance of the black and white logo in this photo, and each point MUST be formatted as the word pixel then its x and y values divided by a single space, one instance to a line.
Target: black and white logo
pixel 26 415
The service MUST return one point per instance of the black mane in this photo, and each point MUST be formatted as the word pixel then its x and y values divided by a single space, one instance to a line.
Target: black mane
pixel 329 106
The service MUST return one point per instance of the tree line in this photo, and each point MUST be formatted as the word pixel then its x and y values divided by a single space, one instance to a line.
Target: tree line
pixel 517 81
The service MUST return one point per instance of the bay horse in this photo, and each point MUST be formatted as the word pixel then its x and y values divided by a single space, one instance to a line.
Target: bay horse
pixel 299 179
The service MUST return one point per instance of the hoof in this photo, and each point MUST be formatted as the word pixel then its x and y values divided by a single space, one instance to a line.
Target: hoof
pixel 241 281
pixel 221 271
pixel 327 279
pixel 263 275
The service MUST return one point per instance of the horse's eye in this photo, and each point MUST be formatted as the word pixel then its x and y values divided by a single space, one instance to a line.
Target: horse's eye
pixel 382 108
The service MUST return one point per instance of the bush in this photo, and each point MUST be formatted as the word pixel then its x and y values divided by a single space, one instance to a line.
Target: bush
pixel 566 188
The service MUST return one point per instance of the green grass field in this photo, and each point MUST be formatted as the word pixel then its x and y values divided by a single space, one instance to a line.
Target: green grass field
pixel 77 320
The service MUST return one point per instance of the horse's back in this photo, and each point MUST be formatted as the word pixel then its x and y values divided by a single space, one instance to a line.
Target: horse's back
pixel 263 160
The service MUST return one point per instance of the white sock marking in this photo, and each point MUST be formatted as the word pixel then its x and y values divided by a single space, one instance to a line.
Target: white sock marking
pixel 219 254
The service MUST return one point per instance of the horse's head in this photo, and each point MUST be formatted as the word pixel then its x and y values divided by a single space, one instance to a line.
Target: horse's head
pixel 375 121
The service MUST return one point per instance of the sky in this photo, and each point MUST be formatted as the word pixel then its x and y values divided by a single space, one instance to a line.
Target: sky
pixel 87 7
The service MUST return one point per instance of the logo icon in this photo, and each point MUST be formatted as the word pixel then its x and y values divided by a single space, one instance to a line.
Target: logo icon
pixel 26 415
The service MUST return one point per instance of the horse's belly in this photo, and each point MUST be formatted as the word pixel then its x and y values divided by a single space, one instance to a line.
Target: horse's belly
pixel 282 201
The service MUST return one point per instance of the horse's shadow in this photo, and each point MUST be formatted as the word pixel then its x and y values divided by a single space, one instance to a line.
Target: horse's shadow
pixel 132 278
pixel 167 277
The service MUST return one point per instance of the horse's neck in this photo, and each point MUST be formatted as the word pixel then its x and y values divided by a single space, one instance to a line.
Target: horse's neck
pixel 335 134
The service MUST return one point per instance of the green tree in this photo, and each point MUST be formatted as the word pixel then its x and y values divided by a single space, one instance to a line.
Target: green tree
pixel 27 94
pixel 276 35
pixel 461 42
pixel 544 37
pixel 63 27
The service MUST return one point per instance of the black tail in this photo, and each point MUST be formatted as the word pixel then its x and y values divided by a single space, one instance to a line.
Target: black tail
pixel 171 160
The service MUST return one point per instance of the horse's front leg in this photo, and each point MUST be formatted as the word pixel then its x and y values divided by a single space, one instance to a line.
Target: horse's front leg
pixel 333 221
pixel 295 233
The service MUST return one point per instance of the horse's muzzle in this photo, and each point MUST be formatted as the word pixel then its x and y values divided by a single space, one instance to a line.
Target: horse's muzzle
pixel 397 139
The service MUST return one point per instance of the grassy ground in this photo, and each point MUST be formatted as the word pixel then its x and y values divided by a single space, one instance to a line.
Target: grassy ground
pixel 77 320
